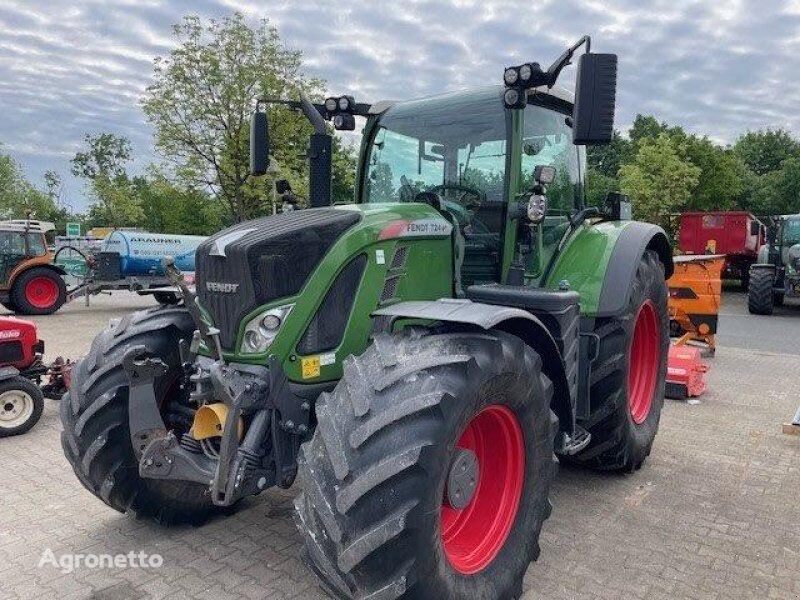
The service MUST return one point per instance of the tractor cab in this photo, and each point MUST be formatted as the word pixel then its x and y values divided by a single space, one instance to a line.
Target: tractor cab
pixel 474 160
pixel 17 244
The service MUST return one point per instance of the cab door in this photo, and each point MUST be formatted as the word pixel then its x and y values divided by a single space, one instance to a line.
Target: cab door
pixel 547 140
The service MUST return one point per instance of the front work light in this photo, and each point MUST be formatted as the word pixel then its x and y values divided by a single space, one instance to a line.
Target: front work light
pixel 510 76
pixel 514 98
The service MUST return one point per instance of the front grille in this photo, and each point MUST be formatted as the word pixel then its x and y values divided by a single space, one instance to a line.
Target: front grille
pixel 10 352
pixel 250 264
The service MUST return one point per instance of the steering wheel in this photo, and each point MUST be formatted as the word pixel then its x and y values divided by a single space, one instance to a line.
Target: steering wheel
pixel 470 198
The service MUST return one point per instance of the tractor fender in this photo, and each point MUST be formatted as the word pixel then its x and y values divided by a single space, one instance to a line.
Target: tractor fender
pixel 515 321
pixel 762 267
pixel 8 373
pixel 15 274
pixel 633 241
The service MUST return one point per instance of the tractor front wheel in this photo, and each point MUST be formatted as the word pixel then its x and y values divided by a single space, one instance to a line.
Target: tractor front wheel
pixel 94 415
pixel 429 471
pixel 21 405
pixel 760 296
pixel 38 291
pixel 628 375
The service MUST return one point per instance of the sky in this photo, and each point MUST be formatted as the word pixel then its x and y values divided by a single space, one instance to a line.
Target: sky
pixel 716 67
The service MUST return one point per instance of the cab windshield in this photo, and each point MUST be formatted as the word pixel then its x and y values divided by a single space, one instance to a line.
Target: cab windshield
pixel 791 231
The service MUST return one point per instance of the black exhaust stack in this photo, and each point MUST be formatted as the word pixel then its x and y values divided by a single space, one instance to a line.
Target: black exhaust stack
pixel 319 156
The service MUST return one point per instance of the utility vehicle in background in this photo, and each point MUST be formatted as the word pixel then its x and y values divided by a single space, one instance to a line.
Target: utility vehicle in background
pixel 776 273
pixel 413 359
pixel 736 234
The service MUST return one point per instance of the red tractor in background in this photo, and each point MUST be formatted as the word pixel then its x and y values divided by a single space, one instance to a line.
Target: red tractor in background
pixel 24 378
pixel 736 234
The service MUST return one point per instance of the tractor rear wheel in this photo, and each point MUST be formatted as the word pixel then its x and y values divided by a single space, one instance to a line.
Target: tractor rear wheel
pixel 429 471
pixel 39 291
pixel 627 380
pixel 760 297
pixel 94 415
pixel 21 405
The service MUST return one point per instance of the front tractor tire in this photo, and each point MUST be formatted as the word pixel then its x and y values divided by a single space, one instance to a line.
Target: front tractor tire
pixel 429 471
pixel 94 415
pixel 38 291
pixel 628 376
pixel 760 294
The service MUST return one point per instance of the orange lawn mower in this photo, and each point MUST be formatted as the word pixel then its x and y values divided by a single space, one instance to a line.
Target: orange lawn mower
pixel 695 294
pixel 695 291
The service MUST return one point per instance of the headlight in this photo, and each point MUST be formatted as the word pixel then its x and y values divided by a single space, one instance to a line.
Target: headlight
pixel 537 208
pixel 260 332
pixel 510 76
pixel 330 104
pixel 525 72
pixel 344 103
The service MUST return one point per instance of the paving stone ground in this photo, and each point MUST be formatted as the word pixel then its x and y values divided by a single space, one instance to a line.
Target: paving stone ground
pixel 714 513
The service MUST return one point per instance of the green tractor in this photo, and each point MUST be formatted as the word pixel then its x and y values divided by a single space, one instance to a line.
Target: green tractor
pixel 776 274
pixel 415 359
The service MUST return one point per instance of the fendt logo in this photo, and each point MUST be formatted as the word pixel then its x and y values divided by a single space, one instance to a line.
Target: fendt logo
pixel 222 288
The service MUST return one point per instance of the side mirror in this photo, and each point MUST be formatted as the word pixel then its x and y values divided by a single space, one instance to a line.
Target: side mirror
pixel 595 98
pixel 259 143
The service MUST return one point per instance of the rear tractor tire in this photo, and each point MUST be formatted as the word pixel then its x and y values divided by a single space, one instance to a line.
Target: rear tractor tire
pixel 760 296
pixel 94 415
pixel 628 376
pixel 38 291
pixel 429 471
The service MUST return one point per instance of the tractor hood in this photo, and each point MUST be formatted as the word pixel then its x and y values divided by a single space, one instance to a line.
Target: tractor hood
pixel 255 262
pixel 258 262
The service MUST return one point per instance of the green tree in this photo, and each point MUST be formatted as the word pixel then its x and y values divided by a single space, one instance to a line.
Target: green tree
pixel 778 192
pixel 171 208
pixel 200 103
pixel 659 181
pixel 765 151
pixel 106 155
pixel 608 158
pixel 723 175
pixel 19 198
pixel 104 165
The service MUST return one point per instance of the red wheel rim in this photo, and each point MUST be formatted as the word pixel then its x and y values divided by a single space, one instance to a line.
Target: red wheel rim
pixel 644 363
pixel 41 292
pixel 473 537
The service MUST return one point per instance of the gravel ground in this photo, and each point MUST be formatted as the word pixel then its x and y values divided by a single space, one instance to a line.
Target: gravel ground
pixel 713 513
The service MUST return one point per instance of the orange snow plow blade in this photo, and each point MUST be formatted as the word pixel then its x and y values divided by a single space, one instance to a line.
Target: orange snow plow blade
pixel 695 291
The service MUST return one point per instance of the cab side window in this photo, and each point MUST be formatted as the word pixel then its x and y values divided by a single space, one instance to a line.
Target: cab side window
pixel 36 244
pixel 547 140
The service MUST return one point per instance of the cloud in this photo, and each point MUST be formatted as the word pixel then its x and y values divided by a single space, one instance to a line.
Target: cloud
pixel 718 68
